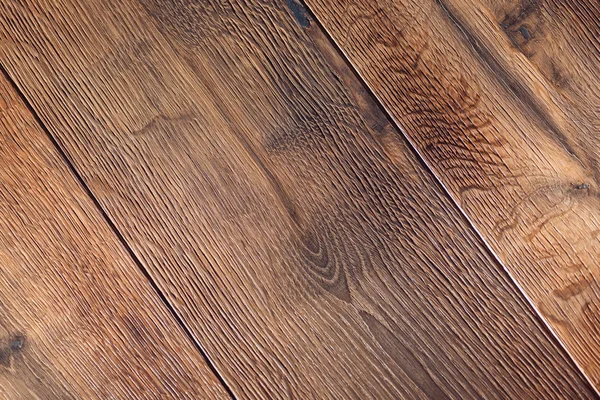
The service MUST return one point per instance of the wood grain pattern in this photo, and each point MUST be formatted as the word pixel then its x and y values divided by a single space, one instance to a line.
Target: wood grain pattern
pixel 78 320
pixel 502 99
pixel 300 241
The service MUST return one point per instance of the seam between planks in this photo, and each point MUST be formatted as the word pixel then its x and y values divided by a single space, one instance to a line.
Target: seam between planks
pixel 437 178
pixel 118 234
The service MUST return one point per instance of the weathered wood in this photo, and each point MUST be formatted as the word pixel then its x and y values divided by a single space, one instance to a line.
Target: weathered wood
pixel 502 99
pixel 77 317
pixel 300 241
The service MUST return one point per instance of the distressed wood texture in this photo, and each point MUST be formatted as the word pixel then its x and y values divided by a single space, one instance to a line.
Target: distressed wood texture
pixel 502 99
pixel 297 236
pixel 78 319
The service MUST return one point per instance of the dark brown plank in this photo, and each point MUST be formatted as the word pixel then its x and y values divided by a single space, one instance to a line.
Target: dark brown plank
pixel 502 99
pixel 307 250
pixel 77 317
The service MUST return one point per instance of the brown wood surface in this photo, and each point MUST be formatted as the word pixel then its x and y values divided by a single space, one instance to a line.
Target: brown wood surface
pixel 297 236
pixel 502 99
pixel 78 319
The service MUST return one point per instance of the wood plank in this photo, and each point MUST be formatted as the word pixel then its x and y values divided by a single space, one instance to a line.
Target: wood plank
pixel 300 241
pixel 77 317
pixel 502 99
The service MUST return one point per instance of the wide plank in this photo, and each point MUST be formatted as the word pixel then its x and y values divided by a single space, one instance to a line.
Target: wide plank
pixel 502 100
pixel 78 319
pixel 301 242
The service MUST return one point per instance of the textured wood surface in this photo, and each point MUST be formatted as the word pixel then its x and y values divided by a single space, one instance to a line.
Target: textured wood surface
pixel 297 236
pixel 77 317
pixel 502 99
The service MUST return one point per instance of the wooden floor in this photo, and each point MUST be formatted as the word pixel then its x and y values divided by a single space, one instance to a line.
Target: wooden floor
pixel 272 199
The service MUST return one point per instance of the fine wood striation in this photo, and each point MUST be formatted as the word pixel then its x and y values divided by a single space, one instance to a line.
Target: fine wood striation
pixel 78 319
pixel 298 238
pixel 502 100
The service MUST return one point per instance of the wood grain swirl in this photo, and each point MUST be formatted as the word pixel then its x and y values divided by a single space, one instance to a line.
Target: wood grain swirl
pixel 502 100
pixel 298 238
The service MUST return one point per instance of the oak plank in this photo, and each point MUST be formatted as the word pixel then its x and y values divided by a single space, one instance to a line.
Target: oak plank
pixel 312 256
pixel 77 317
pixel 502 99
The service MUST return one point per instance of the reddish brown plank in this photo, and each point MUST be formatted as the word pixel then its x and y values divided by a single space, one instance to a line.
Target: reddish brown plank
pixel 77 317
pixel 312 256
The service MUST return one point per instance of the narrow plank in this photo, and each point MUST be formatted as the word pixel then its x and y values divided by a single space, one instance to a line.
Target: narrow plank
pixel 311 255
pixel 78 320
pixel 502 99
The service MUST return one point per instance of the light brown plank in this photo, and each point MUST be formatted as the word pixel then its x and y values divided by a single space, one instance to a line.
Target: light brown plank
pixel 78 320
pixel 502 99
pixel 307 250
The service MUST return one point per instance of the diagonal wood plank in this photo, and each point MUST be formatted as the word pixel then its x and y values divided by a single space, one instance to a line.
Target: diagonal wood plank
pixel 502 99
pixel 77 317
pixel 300 241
